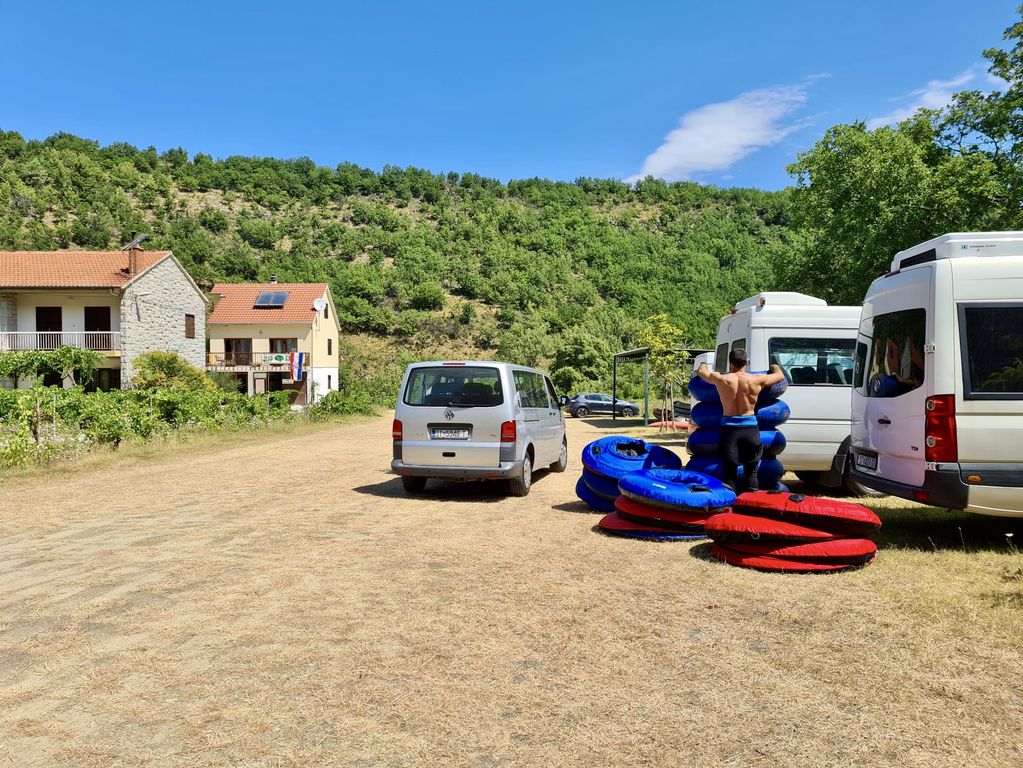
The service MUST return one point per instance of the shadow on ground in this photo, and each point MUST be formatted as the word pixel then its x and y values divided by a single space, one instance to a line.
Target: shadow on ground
pixel 930 529
pixel 473 491
pixel 580 507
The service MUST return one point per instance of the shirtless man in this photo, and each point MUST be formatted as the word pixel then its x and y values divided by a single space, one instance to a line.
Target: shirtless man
pixel 740 437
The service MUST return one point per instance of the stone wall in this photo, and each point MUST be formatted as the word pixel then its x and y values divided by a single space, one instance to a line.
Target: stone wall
pixel 153 310
pixel 8 312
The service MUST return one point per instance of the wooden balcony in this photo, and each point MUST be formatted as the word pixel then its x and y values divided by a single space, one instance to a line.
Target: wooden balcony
pixel 98 341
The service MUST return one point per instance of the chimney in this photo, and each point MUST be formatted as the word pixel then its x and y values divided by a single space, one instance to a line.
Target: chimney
pixel 273 279
pixel 133 261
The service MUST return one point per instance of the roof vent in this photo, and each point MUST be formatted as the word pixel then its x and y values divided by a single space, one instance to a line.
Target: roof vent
pixel 273 278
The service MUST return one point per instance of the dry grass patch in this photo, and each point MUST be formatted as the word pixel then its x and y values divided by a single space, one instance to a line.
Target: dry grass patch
pixel 284 603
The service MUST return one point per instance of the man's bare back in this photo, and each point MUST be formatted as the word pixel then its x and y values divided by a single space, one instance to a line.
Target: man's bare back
pixel 739 390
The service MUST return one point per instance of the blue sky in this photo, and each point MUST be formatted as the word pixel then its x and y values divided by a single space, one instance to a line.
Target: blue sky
pixel 725 93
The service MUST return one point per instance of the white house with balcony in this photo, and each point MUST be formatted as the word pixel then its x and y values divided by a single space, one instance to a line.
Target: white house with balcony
pixel 276 336
pixel 119 303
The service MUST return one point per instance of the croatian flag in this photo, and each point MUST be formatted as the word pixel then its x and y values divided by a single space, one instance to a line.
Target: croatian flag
pixel 297 358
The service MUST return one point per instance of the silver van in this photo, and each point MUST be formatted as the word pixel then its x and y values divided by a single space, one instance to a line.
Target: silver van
pixel 476 420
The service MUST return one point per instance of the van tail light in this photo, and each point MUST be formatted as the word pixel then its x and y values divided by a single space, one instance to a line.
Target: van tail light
pixel 396 430
pixel 508 432
pixel 940 429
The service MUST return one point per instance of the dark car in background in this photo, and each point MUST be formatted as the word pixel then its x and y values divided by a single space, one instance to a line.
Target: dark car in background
pixel 583 405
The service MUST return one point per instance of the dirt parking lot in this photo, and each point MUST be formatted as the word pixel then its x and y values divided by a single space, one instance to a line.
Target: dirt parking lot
pixel 282 602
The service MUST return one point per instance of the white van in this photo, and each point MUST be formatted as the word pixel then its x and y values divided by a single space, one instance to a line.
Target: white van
pixel 476 420
pixel 937 408
pixel 813 344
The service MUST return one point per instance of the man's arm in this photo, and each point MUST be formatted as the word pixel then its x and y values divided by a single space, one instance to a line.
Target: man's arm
pixel 707 374
pixel 773 376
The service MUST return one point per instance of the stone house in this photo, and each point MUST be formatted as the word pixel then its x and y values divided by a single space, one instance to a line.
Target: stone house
pixel 119 303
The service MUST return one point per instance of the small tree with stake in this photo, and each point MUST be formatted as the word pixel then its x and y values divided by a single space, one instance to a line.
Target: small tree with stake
pixel 667 356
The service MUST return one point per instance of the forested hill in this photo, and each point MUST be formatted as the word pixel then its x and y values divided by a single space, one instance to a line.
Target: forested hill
pixel 529 270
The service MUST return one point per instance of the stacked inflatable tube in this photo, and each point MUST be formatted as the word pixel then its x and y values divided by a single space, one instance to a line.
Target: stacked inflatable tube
pixel 771 412
pixel 674 501
pixel 608 459
pixel 778 531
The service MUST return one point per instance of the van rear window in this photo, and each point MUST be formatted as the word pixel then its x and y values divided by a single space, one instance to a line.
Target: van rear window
pixel 992 339
pixel 813 361
pixel 896 363
pixel 451 385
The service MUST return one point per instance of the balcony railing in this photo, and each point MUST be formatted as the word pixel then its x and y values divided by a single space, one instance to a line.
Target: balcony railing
pixel 270 360
pixel 98 341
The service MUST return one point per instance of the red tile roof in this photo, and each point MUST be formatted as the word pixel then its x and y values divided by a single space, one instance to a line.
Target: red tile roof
pixel 239 299
pixel 72 269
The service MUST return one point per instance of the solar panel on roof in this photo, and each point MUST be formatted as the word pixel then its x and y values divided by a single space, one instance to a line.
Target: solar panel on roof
pixel 271 299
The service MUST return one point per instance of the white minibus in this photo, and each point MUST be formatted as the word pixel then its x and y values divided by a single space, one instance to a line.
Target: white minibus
pixel 937 405
pixel 813 344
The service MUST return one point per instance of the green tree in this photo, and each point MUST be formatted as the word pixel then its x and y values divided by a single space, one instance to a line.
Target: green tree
pixel 167 370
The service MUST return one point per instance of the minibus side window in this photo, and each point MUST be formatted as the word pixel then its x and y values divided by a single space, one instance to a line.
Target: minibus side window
pixel 992 339
pixel 860 366
pixel 721 358
pixel 896 365
pixel 809 361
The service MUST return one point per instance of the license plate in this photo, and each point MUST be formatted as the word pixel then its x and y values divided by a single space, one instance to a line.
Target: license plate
pixel 865 461
pixel 450 434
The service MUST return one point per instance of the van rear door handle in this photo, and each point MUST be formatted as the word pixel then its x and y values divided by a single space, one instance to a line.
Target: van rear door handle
pixel 884 421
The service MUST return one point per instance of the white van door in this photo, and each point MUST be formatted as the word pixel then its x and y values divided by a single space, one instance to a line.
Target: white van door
pixel 888 402
pixel 451 416
pixel 989 413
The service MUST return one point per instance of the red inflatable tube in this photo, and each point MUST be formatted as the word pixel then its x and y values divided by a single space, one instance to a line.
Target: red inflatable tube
pixel 782 564
pixel 838 551
pixel 827 514
pixel 647 515
pixel 733 526
pixel 616 525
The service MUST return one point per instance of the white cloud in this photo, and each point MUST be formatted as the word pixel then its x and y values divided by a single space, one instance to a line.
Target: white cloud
pixel 935 95
pixel 716 136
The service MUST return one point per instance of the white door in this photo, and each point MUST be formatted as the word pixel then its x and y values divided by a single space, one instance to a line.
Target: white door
pixel 889 414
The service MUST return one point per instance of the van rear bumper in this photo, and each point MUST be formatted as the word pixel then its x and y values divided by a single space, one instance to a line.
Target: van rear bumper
pixel 942 487
pixel 507 469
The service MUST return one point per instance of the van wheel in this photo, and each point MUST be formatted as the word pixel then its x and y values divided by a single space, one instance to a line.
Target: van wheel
pixel 855 488
pixel 520 485
pixel 582 413
pixel 562 463
pixel 413 484
pixel 808 477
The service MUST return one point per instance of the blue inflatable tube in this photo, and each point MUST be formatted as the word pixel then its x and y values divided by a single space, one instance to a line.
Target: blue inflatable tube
pixel 617 455
pixel 707 414
pixel 677 489
pixel 769 471
pixel 773 414
pixel 706 392
pixel 773 442
pixel 605 487
pixel 596 503
pixel 704 442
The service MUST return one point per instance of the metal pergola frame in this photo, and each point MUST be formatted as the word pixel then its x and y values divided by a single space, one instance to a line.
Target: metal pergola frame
pixel 633 356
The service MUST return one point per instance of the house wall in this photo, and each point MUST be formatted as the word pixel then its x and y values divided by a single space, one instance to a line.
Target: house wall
pixel 153 310
pixel 72 304
pixel 260 335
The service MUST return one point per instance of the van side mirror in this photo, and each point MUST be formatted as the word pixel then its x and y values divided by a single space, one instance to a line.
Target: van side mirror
pixel 563 400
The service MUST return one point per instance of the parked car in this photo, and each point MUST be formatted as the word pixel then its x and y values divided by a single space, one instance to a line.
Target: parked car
pixel 476 420
pixel 583 405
